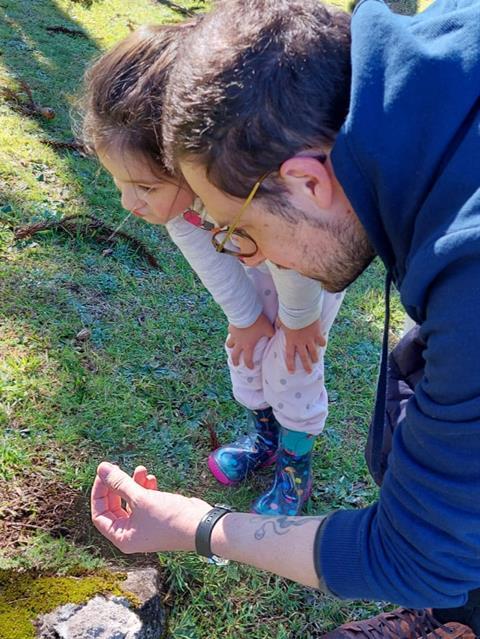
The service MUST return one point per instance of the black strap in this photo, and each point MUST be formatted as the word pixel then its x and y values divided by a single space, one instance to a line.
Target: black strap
pixel 204 530
pixel 378 421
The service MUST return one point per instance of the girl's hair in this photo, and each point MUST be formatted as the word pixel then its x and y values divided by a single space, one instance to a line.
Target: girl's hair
pixel 124 90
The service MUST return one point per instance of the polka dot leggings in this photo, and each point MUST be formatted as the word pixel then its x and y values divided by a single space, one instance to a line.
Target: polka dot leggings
pixel 299 400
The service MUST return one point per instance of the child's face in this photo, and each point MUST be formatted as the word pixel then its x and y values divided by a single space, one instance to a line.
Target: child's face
pixel 151 196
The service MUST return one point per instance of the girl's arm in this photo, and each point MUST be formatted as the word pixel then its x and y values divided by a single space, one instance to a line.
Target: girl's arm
pixel 222 275
pixel 300 302
pixel 299 298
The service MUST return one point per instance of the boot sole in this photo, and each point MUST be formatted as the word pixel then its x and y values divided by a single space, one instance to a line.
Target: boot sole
pixel 223 479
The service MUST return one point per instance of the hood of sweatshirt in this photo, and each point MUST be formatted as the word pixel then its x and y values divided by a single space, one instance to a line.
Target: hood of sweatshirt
pixel 394 165
pixel 408 158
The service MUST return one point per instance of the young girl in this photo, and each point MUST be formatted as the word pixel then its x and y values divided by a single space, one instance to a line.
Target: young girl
pixel 277 373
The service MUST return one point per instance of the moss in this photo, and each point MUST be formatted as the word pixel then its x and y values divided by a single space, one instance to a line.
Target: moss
pixel 24 596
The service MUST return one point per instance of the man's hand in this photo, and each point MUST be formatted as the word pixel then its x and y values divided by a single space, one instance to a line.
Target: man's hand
pixel 152 521
pixel 304 342
pixel 244 340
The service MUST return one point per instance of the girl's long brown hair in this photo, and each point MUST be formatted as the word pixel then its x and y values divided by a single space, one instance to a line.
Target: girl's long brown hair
pixel 123 92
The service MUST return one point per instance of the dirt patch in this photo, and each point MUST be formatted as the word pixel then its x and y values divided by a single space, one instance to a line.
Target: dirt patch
pixel 37 503
pixel 41 503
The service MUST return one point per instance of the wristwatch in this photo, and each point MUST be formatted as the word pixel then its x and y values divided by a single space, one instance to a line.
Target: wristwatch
pixel 203 535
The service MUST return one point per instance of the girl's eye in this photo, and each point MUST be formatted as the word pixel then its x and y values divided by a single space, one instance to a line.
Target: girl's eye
pixel 146 189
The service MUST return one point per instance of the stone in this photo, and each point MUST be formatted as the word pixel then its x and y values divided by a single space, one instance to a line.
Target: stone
pixel 83 335
pixel 110 617
pixel 144 584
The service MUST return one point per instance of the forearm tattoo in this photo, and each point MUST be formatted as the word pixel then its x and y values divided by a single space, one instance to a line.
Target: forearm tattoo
pixel 280 525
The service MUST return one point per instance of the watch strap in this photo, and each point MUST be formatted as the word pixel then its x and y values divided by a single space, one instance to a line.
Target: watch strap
pixel 203 535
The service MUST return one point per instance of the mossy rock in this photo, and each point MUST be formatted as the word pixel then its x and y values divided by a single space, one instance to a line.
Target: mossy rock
pixel 24 596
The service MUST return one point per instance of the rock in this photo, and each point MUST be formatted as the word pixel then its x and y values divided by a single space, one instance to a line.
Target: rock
pixel 100 618
pixel 83 335
pixel 46 623
pixel 109 617
pixel 144 584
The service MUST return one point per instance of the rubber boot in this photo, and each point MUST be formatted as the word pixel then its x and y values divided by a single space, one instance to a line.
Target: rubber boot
pixel 232 463
pixel 292 484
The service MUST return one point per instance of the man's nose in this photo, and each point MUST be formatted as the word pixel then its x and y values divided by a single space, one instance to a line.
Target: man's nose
pixel 255 260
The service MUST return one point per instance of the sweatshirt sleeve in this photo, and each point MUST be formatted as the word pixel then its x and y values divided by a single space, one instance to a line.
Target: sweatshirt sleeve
pixel 299 298
pixel 419 545
pixel 222 275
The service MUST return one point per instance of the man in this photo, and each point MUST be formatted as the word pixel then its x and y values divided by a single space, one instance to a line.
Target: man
pixel 323 163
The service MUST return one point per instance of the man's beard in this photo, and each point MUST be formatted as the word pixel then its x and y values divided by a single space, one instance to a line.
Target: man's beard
pixel 349 254
pixel 349 250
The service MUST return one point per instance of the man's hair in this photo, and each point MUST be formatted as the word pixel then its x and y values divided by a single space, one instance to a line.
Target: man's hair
pixel 255 83
pixel 123 92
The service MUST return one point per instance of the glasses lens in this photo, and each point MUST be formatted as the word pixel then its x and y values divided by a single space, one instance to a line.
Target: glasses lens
pixel 238 244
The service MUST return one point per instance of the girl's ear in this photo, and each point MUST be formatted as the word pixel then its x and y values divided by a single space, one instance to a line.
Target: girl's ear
pixel 308 176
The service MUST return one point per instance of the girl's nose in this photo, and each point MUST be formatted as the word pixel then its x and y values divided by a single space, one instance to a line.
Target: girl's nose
pixel 130 199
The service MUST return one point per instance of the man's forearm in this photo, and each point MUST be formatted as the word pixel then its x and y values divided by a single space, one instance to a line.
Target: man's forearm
pixel 282 545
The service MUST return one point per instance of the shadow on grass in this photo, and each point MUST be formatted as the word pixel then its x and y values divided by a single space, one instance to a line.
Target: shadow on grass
pixel 54 408
pixel 47 49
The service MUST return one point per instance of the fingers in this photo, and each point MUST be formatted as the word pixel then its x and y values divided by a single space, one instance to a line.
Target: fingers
pixel 320 340
pixel 105 511
pixel 152 483
pixel 305 359
pixel 312 352
pixel 248 357
pixel 230 341
pixel 117 484
pixel 290 358
pixel 103 500
pixel 235 355
pixel 140 476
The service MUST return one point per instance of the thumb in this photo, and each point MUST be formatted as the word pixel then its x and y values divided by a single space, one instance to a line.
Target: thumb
pixel 118 481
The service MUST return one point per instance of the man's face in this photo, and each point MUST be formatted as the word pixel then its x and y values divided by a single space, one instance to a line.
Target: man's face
pixel 331 247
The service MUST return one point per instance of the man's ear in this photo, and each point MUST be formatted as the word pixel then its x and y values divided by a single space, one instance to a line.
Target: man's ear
pixel 309 177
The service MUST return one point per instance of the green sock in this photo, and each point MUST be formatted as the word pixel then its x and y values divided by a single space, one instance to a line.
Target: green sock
pixel 296 442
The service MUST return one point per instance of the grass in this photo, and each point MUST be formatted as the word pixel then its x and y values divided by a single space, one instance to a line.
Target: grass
pixel 152 373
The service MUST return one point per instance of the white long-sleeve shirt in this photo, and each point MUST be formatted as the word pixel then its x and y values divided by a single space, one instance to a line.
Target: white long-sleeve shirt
pixel 225 277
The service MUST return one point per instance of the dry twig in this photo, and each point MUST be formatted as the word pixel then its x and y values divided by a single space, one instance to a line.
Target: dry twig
pixel 26 106
pixel 72 145
pixel 87 223
pixel 214 442
pixel 73 33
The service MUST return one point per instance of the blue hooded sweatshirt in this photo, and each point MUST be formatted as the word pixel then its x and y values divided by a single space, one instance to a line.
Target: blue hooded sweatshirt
pixel 408 158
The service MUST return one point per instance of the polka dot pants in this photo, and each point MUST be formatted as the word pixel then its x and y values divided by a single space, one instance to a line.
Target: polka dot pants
pixel 299 400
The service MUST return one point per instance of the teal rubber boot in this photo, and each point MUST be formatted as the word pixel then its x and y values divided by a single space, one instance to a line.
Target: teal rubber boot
pixel 292 484
pixel 232 463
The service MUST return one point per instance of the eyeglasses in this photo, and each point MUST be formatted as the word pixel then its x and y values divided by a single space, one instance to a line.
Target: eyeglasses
pixel 241 243
pixel 225 234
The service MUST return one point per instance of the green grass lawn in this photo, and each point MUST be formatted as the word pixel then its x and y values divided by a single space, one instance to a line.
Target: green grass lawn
pixel 150 380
